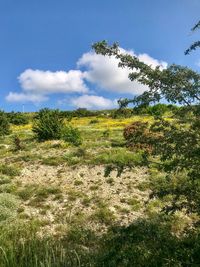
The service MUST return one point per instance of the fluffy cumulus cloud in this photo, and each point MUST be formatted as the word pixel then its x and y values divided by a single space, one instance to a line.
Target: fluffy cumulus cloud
pixel 47 82
pixel 94 70
pixel 105 73
pixel 93 102
pixel 37 85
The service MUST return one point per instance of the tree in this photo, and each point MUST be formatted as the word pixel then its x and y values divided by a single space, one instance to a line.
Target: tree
pixel 196 44
pixel 178 146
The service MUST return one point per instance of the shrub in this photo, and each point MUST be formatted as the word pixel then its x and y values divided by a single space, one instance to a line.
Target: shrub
pixel 48 125
pixel 18 118
pixel 122 113
pixel 139 136
pixel 94 121
pixel 158 110
pixel 72 135
pixel 83 112
pixel 4 124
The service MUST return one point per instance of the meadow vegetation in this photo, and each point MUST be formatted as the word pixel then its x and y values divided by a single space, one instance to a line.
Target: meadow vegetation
pixel 112 188
pixel 89 195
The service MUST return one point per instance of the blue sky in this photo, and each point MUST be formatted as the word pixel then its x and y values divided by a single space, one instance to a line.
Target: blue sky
pixel 45 48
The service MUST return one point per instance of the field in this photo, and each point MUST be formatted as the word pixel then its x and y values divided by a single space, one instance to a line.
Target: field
pixel 59 201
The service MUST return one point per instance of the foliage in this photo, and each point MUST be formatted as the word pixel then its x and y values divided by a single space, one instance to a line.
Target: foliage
pixel 4 124
pixel 48 125
pixel 72 135
pixel 178 142
pixel 83 112
pixel 196 44
pixel 158 110
pixel 122 113
pixel 148 243
pixel 138 136
pixel 176 84
pixel 18 118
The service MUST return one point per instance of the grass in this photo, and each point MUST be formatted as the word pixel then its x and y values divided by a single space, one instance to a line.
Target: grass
pixel 9 170
pixel 45 224
pixel 103 215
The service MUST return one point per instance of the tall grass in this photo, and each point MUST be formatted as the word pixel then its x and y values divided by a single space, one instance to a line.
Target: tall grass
pixel 22 246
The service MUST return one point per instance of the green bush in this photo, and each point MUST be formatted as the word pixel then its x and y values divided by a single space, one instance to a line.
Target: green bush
pixel 18 118
pixel 72 135
pixel 158 110
pixel 48 125
pixel 4 124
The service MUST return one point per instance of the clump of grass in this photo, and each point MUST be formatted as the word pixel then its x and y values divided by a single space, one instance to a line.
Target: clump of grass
pixel 143 186
pixel 78 182
pixel 120 157
pixel 27 157
pixel 21 246
pixel 104 215
pixel 8 188
pixel 86 201
pixel 42 193
pixel 9 170
pixel 134 204
pixel 53 161
pixel 27 192
pixel 4 180
pixel 8 206
pixel 110 181
pixel 94 187
pixel 73 195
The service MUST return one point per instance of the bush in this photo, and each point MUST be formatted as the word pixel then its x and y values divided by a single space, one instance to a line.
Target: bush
pixel 139 136
pixel 4 124
pixel 72 135
pixel 158 110
pixel 48 125
pixel 136 135
pixel 18 118
pixel 122 113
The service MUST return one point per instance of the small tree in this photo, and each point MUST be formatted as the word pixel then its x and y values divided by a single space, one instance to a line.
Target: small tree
pixel 4 124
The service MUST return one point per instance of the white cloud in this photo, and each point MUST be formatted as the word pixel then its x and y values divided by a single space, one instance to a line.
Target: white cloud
pixel 101 71
pixel 21 97
pixel 93 102
pixel 47 82
pixel 105 73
